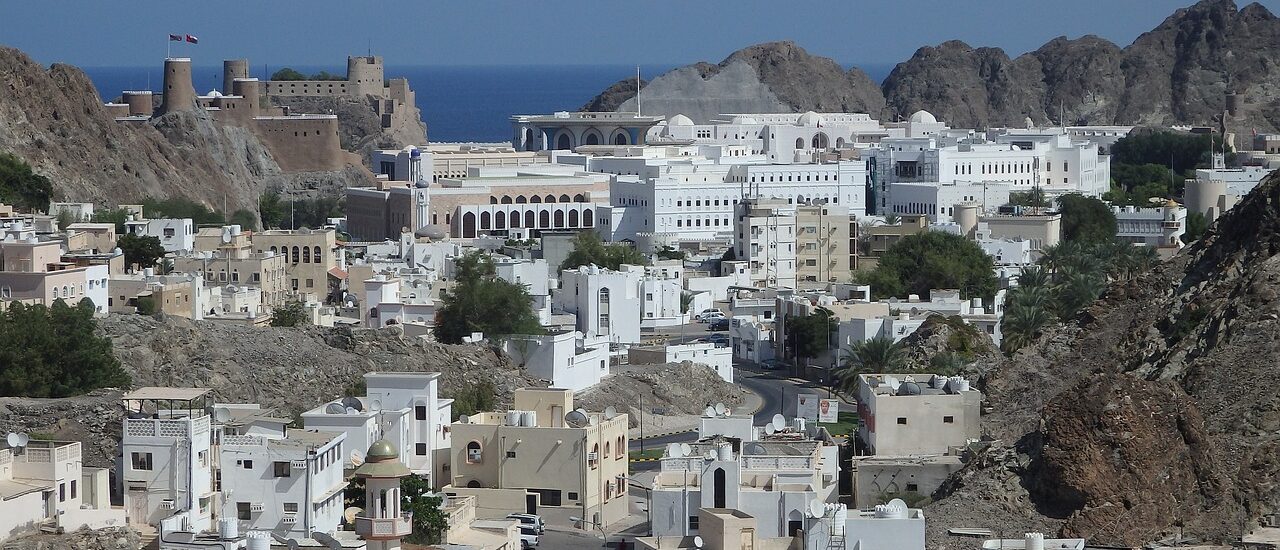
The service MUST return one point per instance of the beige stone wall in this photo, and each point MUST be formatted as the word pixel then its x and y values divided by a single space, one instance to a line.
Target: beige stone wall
pixel 311 254
pixel 255 270
pixel 303 143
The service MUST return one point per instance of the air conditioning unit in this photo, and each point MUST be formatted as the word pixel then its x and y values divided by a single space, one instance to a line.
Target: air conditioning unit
pixel 255 507
pixel 167 504
pixel 592 457
pixel 288 519
pixel 298 464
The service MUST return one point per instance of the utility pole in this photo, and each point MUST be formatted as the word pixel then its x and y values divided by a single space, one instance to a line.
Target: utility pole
pixel 641 424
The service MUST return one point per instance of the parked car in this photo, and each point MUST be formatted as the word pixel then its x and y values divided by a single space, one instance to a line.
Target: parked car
pixel 709 315
pixel 529 536
pixel 719 324
pixel 719 339
pixel 530 520
pixel 772 364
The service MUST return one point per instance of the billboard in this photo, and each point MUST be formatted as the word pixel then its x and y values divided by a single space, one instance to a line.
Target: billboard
pixel 807 406
pixel 828 411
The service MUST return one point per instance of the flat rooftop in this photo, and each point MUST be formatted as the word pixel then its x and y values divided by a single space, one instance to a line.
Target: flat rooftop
pixel 172 394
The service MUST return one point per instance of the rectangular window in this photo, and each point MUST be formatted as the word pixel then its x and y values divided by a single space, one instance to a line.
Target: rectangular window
pixel 280 469
pixel 902 420
pixel 912 487
pixel 73 488
pixel 242 510
pixel 572 495
pixel 511 454
pixel 141 461
pixel 247 464
pixel 948 419
pixel 290 507
pixel 420 412
pixel 311 283
pixel 62 492
pixel 420 449
pixel 693 522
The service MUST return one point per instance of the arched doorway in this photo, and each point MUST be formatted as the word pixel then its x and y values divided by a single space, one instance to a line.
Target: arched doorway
pixel 468 225
pixel 564 142
pixel 719 488
pixel 799 143
pixel 820 141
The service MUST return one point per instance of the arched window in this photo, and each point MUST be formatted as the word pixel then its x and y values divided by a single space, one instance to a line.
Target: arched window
pixel 528 219
pixel 315 254
pixel 520 199
pixel 506 199
pixel 468 225
pixel 559 217
pixel 515 219
pixel 799 143
pixel 620 139
pixel 608 485
pixel 563 142
pixel 573 218
pixel 474 454
pixel 528 138
pixel 493 200
pixel 273 250
pixel 587 218
pixel 295 254
pixel 550 198
pixel 499 221
pixel 544 219
pixel 820 141
pixel 579 198
pixel 535 199
pixel 618 450
pixel 306 254
pixel 564 198
pixel 592 139
pixel 840 143
pixel 485 221
pixel 608 448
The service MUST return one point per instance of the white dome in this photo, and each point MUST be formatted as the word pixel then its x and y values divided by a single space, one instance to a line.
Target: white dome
pixel 743 120
pixel 214 93
pixel 924 117
pixel 680 120
pixel 810 119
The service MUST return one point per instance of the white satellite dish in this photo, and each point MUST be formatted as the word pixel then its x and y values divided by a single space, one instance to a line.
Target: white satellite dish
pixel 335 408
pixel 350 514
pixel 226 234
pixel 221 414
pixel 686 450
pixel 357 458
pixel 697 541
pixel 769 429
pixel 779 422
pixel 375 405
pixel 576 418
pixel 462 419
pixel 353 403
pixel 721 409
pixel 17 440
pixel 815 509
pixel 709 455
pixel 673 450
pixel 350 410
pixel 610 412
pixel 709 411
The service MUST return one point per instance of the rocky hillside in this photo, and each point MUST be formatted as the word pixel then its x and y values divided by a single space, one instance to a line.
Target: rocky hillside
pixel 1149 413
pixel 54 119
pixel 772 77
pixel 1176 73
pixel 359 127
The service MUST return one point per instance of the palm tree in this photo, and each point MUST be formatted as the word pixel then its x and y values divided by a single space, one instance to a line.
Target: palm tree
pixel 892 219
pixel 1040 296
pixel 947 363
pixel 1033 277
pixel 1144 258
pixel 877 355
pixel 1078 291
pixel 1021 324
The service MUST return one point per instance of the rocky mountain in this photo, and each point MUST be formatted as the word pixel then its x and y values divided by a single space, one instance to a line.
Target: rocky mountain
pixel 772 77
pixel 53 118
pixel 1148 415
pixel 1178 72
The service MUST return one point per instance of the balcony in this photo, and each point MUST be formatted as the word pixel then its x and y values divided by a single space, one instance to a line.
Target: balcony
pixel 385 527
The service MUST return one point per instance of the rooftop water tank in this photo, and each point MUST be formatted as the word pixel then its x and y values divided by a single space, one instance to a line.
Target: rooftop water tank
pixel 725 452
pixel 258 540
pixel 228 528
pixel 529 419
pixel 1034 541
pixel 513 418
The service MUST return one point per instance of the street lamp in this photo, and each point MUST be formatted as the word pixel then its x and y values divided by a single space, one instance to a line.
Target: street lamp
pixel 598 527
pixel 648 507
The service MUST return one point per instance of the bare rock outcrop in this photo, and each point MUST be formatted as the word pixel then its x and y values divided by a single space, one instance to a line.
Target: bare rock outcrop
pixel 359 127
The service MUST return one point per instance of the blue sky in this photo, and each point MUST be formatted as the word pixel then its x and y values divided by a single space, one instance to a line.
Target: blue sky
pixel 554 32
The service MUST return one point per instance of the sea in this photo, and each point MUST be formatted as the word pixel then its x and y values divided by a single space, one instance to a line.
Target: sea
pixel 458 103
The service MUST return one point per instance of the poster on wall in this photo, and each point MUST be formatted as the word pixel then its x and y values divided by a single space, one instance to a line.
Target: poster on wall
pixel 807 406
pixel 828 411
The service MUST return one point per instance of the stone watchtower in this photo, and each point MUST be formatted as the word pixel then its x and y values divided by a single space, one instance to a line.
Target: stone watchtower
pixel 179 95
pixel 233 69
pixel 382 523
pixel 364 75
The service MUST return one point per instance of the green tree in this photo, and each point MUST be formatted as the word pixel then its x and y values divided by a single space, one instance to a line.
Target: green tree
pixel 65 219
pixel 141 251
pixel 182 208
pixel 589 250
pixel 1147 146
pixel 480 301
pixel 291 314
pixel 54 352
pixel 1033 198
pixel 22 188
pixel 875 356
pixel 948 363
pixel 288 73
pixel 666 252
pixel 244 218
pixel 1021 324
pixel 479 397
pixel 116 216
pixel 272 210
pixel 1197 224
pixel 429 519
pixel 808 335
pixel 1086 219
pixel 919 263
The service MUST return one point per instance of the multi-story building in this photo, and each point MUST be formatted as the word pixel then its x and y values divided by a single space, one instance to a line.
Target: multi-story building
pixel 1216 189
pixel 225 256
pixel 314 259
pixel 176 235
pixel 565 358
pixel 35 271
pixel 565 130
pixel 607 303
pixel 543 454
pixel 176 295
pixel 167 463
pixel 765 238
pixel 44 483
pixel 287 481
pixel 937 200
pixel 402 407
pixel 903 414
pixel 1160 228
pixel 826 243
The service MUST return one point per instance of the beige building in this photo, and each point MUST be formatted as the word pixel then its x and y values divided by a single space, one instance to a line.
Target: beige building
pixel 380 212
pixel 35 271
pixel 1041 230
pixel 922 414
pixel 881 237
pixel 826 244
pixel 312 256
pixel 543 454
pixel 482 534
pixel 169 295
pixel 91 237
pixel 225 256
pixel 453 161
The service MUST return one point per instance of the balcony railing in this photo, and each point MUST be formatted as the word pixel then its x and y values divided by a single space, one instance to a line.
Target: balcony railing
pixel 385 527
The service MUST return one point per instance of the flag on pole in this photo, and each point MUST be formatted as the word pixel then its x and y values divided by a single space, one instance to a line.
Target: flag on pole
pixel 175 38
pixel 192 39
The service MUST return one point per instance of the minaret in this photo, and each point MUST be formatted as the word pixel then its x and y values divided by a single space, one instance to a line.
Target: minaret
pixel 382 523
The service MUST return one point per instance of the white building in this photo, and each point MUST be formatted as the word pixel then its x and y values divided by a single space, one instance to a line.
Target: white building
pixel 566 359
pixel 904 415
pixel 401 407
pixel 1215 190
pixel 1155 227
pixel 43 483
pixel 166 466
pixel 532 274
pixel 719 358
pixel 937 200
pixel 288 481
pixel 176 235
pixel 765 238
pixel 392 300
pixel 606 302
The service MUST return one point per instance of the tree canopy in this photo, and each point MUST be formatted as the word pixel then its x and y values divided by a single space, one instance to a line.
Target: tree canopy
pixel 1086 219
pixel 288 73
pixel 1197 224
pixel 53 351
pixel 278 213
pixel 809 335
pixel 291 314
pixel 919 263
pixel 1185 151
pixel 480 301
pixel 182 208
pixel 875 356
pixel 22 188
pixel 141 251
pixel 589 250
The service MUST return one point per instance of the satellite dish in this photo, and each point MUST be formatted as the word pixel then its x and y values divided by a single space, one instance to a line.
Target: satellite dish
pixel 610 412
pixel 350 514
pixel 754 449
pixel 721 409
pixel 357 458
pixel 709 411
pixel 375 405
pixel 353 403
pixel 769 429
pixel 226 234
pixel 685 449
pixel 697 541
pixel 673 450
pixel 576 418
pixel 335 408
pixel 815 509
pixel 463 419
pixel 779 422
pixel 221 414
pixel 709 455
pixel 350 410
pixel 17 440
